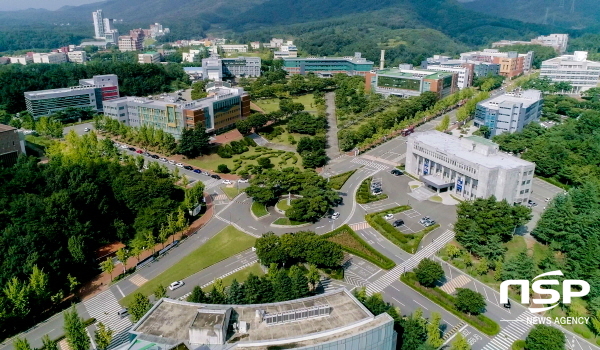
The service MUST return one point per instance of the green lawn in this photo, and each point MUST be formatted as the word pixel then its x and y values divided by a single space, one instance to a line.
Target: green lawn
pixel 287 222
pixel 211 162
pixel 283 204
pixel 272 104
pixel 232 192
pixel 259 210
pixel 240 276
pixel 338 181
pixel 225 244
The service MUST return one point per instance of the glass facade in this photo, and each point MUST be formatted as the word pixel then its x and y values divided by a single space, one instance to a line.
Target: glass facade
pixel 399 83
pixel 382 337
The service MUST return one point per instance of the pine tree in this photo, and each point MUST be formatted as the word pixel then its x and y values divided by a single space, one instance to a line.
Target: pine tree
pixel 48 344
pixel 235 294
pixel 299 283
pixel 267 291
pixel 139 306
pixel 103 336
pixel 216 296
pixel 197 295
pixel 75 332
pixel 252 289
pixel 21 344
pixel 282 283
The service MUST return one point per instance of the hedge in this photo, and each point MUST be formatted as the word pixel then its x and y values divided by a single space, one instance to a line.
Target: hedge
pixel 445 300
pixel 372 256
pixel 408 242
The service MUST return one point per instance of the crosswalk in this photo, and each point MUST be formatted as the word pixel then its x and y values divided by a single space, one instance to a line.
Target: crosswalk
pixel 511 332
pixel 359 226
pixel 394 274
pixel 104 308
pixel 138 280
pixel 399 159
pixel 421 193
pixel 354 279
pixel 458 282
pixel 220 197
pixel 379 159
pixel 370 164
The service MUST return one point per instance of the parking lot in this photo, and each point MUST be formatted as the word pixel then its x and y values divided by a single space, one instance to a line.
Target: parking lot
pixel 411 220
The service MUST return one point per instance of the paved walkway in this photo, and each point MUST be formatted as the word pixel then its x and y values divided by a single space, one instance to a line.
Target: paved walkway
pixel 102 282
pixel 333 149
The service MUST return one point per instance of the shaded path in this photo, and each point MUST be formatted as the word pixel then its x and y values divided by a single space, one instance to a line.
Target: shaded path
pixel 333 149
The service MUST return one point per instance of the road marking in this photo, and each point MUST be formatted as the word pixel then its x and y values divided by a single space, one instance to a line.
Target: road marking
pixel 321 226
pixel 398 301
pixel 458 282
pixel 138 280
pixel 120 291
pixel 420 304
pixel 252 228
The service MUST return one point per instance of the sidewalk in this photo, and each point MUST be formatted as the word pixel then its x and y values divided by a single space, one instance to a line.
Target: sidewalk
pixel 101 282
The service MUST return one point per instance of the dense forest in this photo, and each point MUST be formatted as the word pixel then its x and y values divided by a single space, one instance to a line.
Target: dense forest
pixel 54 216
pixel 134 79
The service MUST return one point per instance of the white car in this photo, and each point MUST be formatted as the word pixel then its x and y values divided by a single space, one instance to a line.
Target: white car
pixel 86 129
pixel 335 215
pixel 124 147
pixel 243 181
pixel 172 162
pixel 388 216
pixel 176 285
pixel 163 159
pixel 227 182
pixel 179 165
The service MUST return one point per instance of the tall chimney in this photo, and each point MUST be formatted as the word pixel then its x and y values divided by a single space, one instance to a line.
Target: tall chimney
pixel 382 59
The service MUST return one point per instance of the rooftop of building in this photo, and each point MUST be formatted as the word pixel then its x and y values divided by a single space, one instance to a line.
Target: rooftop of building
pixel 354 59
pixel 527 98
pixel 150 53
pixel 4 127
pixel 414 73
pixel 171 319
pixel 466 149
pixel 577 56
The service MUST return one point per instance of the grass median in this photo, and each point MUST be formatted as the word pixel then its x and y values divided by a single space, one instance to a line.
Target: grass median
pixel 355 245
pixel 338 181
pixel 364 195
pixel 232 192
pixel 225 244
pixel 241 276
pixel 259 209
pixel 447 301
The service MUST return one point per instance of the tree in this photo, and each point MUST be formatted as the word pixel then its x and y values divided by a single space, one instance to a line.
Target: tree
pixel 194 142
pixel 429 272
pixel 269 249
pixel 313 277
pixel 216 296
pixel 150 240
pixel 243 127
pixel 264 163
pixel 49 344
pixel 223 169
pixel 38 284
pixel 299 283
pixel 235 295
pixel 73 283
pixel 253 289
pixel 197 295
pixel 122 255
pixel 282 283
pixel 103 336
pixel 160 292
pixel 460 343
pixel 444 124
pixel 433 331
pixel 75 331
pixel 543 337
pixel 21 344
pixel 469 301
pixel 108 266
pixel 520 266
pixel 414 334
pixel 139 306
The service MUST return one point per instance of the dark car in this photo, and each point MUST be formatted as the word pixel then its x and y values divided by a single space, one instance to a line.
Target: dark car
pixel 396 172
pixel 154 156
pixel 131 149
pixel 215 176
pixel 398 223
pixel 187 167
pixel 507 305
pixel 198 171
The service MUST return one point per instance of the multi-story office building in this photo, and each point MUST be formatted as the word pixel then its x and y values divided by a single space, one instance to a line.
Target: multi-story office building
pixel 223 107
pixel 328 66
pixel 334 320
pixel 217 68
pixel 575 69
pixel 465 74
pixel 407 82
pixel 286 51
pixel 24 60
pixel 478 68
pixel 11 145
pixel 98 24
pixel 234 48
pixel 149 57
pixel 52 57
pixel 132 42
pixel 512 64
pixel 557 41
pixel 157 30
pixel 192 56
pixel 469 167
pixel 509 112
pixel 89 94
pixel 104 28
pixel 77 56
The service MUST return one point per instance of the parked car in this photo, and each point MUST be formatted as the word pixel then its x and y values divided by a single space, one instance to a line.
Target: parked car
pixel 376 192
pixel 180 165
pixel 139 151
pixel 424 220
pixel 171 161
pixel 507 305
pixel 162 159
pixel 176 285
pixel 335 215
pixel 388 216
pixel 429 223
pixel 227 182
pixel 86 129
pixel 124 147
pixel 198 171
pixel 131 149
pixel 547 199
pixel 123 313
pixel 154 156
pixel 187 167
pixel 215 176
pixel 243 181
pixel 398 223
pixel 396 172
pixel 206 173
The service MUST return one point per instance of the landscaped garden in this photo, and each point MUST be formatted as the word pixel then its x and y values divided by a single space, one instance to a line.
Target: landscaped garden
pixel 272 104
pixel 259 210
pixel 353 244
pixel 364 194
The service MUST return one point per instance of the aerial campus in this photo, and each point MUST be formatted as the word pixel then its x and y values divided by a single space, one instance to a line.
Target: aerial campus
pixel 214 193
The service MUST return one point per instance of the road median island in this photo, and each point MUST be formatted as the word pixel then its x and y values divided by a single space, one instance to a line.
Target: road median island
pixel 447 301
pixel 228 242
pixel 408 242
pixel 353 244
pixel 364 195
pixel 259 210
pixel 338 181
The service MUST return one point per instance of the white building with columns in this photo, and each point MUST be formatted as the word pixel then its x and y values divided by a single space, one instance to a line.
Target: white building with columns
pixel 468 167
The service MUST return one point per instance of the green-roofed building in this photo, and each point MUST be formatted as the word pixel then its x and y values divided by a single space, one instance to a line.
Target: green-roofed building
pixel 328 66
pixel 406 82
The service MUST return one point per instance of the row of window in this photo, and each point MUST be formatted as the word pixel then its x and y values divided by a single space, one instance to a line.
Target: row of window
pixel 447 160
